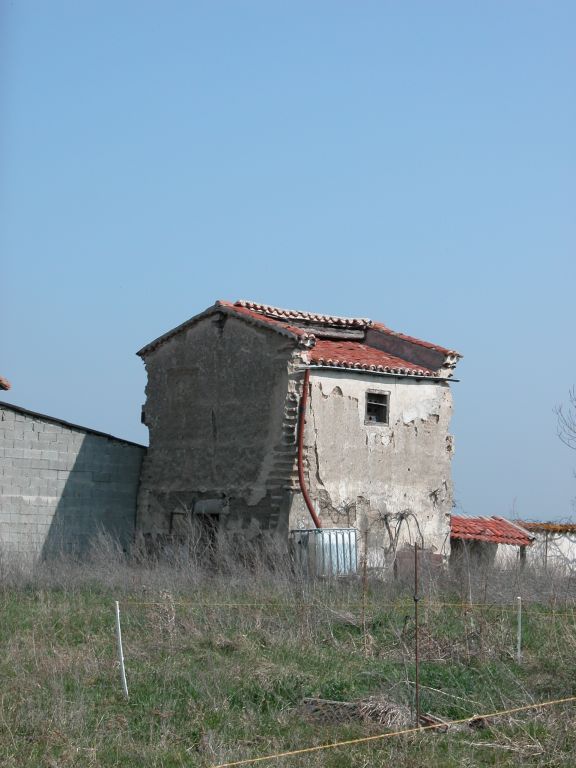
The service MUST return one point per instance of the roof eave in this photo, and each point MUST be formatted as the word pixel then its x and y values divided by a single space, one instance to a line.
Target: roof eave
pixel 381 371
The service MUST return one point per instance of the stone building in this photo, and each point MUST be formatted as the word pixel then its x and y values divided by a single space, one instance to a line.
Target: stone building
pixel 62 484
pixel 262 418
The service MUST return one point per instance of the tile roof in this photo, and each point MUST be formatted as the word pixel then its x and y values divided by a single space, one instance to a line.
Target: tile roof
pixel 548 527
pixel 339 342
pixel 311 317
pixel 4 384
pixel 495 530
pixel 351 354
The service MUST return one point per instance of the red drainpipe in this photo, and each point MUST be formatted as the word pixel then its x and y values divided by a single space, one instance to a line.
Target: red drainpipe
pixel 301 423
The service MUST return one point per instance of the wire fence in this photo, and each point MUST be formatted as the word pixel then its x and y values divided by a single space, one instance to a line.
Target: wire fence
pixel 382 629
pixel 444 725
pixel 226 650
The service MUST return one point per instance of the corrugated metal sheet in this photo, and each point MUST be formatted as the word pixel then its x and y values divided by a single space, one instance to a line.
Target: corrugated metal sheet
pixel 324 551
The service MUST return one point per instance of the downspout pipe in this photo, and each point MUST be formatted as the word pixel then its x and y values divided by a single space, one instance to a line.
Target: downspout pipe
pixel 301 424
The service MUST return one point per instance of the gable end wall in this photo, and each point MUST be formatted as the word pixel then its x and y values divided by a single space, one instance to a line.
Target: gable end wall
pixel 222 423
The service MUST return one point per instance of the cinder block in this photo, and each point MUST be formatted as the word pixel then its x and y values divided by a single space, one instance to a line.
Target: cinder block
pixel 48 474
pixel 51 428
pixel 49 439
pixel 29 445
pixel 76 491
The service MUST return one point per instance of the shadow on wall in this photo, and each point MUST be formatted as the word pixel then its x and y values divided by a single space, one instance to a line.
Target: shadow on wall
pixel 95 490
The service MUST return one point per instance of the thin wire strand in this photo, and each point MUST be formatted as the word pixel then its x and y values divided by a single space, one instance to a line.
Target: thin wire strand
pixel 380 736
pixel 397 606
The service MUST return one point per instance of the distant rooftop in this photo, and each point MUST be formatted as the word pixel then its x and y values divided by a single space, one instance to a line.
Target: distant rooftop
pixel 548 527
pixel 495 530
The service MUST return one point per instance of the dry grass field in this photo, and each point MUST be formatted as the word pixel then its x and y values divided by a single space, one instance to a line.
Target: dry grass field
pixel 238 662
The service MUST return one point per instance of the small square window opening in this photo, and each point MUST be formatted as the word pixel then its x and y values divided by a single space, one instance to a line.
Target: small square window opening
pixel 377 407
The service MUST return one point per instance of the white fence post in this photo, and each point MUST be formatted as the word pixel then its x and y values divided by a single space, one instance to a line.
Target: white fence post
pixel 120 651
pixel 519 632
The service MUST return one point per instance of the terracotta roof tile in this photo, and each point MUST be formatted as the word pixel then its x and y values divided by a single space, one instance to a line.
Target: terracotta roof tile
pixel 330 340
pixel 548 527
pixel 495 530
pixel 311 317
pixel 352 354
pixel 342 354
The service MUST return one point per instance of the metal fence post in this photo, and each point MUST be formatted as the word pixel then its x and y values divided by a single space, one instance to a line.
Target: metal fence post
pixel 519 631
pixel 416 648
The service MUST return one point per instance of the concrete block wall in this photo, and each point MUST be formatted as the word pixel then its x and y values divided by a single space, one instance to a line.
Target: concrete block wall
pixel 60 484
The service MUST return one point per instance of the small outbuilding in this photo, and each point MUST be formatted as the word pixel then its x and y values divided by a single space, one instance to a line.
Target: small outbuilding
pixel 482 542
pixel 554 545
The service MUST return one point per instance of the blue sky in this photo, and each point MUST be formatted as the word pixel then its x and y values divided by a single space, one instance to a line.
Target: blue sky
pixel 413 162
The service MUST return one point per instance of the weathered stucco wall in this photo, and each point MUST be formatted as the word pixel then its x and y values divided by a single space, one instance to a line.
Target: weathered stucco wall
pixel 61 485
pixel 222 429
pixel 395 478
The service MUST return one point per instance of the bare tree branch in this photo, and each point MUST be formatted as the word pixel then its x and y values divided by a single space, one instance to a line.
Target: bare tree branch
pixel 566 420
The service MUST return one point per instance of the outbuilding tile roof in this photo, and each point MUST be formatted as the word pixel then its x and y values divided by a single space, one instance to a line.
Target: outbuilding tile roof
pixel 495 530
pixel 548 527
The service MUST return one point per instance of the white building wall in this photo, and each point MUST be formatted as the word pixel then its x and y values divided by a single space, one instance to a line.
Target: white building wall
pixel 393 479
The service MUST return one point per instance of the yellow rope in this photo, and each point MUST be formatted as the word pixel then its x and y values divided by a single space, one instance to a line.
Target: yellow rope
pixel 365 739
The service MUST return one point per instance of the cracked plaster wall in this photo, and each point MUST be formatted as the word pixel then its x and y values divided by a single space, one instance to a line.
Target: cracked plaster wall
pixel 222 417
pixel 395 479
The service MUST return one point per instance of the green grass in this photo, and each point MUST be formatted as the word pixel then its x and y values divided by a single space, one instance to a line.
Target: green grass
pixel 215 684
